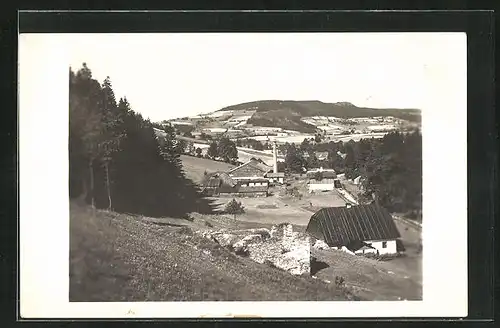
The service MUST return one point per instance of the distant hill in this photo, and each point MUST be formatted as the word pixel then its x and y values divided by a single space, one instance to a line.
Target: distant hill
pixel 287 113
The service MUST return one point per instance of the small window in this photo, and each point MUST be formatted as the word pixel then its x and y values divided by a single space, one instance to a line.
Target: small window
pixel 384 244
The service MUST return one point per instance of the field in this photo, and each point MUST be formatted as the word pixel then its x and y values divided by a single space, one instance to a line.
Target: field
pixel 297 139
pixel 195 167
pixel 244 155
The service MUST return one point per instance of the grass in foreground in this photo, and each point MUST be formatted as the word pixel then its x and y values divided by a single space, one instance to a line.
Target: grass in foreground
pixel 116 257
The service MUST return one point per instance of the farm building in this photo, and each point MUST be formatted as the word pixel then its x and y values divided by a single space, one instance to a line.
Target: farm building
pixel 321 179
pixel 258 169
pixel 356 229
pixel 252 169
pixel 222 184
pixel 325 184
pixel 278 177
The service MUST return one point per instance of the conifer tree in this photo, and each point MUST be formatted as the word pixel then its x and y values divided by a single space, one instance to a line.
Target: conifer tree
pixel 113 132
pixel 85 126
pixel 212 150
pixel 227 150
pixel 138 174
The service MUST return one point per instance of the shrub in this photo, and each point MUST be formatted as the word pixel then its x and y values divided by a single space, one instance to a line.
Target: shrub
pixel 270 264
pixel 188 218
pixel 294 192
pixel 234 207
pixel 339 281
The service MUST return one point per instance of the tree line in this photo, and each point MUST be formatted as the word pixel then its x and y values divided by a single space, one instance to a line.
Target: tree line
pixel 223 149
pixel 116 161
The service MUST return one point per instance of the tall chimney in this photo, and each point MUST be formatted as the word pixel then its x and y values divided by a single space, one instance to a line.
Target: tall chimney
pixel 275 158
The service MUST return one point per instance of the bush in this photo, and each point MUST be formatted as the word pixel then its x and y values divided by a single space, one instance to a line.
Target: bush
pixel 234 207
pixel 294 192
pixel 318 176
pixel 339 281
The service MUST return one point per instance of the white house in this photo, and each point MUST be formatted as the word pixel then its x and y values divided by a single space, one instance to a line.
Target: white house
pixel 276 177
pixel 321 185
pixel 321 179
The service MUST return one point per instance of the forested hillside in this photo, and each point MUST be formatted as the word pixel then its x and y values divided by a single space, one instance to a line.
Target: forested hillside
pixel 287 114
pixel 115 159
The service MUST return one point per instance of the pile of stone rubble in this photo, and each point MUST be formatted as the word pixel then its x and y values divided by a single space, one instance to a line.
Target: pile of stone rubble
pixel 280 246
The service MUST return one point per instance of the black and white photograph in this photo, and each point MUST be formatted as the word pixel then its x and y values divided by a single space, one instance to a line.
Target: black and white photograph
pixel 256 167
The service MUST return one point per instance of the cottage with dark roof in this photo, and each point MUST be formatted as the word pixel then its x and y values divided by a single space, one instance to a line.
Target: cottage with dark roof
pixel 220 184
pixel 357 229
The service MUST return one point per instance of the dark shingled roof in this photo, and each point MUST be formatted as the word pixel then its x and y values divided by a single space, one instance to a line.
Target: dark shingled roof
pixel 324 174
pixel 220 183
pixel 259 180
pixel 258 165
pixel 342 225
pixel 275 175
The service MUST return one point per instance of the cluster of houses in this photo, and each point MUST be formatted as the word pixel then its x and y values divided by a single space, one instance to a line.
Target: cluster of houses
pixel 360 229
pixel 322 180
pixel 250 179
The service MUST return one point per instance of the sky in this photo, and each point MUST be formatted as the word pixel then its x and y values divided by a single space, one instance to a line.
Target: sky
pixel 172 75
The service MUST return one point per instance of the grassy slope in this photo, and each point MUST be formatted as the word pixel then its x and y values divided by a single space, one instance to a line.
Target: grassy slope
pixel 119 258
pixel 371 279
pixel 195 167
pixel 287 114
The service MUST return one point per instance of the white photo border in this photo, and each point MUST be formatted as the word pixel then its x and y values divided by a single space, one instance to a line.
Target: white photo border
pixel 44 61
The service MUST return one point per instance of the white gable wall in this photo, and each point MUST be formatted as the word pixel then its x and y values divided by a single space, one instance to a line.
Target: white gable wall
pixel 280 180
pixel 321 187
pixel 390 248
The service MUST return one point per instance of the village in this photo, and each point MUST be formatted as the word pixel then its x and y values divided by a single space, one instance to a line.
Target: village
pixel 285 200
pixel 318 215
